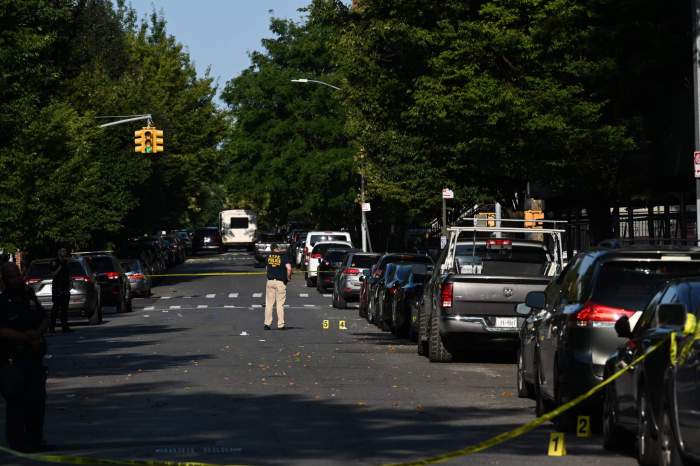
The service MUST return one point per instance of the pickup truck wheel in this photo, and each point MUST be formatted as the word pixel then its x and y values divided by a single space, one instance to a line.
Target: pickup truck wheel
pixel 436 349
pixel 422 345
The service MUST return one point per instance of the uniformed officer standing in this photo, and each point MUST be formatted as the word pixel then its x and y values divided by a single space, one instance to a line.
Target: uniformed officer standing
pixel 279 272
pixel 60 289
pixel 23 323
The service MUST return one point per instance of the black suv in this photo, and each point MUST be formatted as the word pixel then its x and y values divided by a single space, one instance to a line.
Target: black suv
pixel 570 335
pixel 114 284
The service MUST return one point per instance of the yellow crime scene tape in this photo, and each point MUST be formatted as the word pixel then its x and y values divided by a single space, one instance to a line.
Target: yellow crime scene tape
pixel 691 327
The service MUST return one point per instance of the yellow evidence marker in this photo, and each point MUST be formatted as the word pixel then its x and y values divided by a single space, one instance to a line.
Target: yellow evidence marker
pixel 583 426
pixel 326 324
pixel 341 325
pixel 556 444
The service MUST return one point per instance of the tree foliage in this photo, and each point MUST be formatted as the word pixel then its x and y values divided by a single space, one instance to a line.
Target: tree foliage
pixel 64 179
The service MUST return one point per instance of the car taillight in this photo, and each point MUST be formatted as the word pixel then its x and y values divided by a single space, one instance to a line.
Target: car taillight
pixel 32 280
pixel 593 314
pixel 81 278
pixel 112 275
pixel 351 271
pixel 306 251
pixel 446 290
pixel 137 276
pixel 316 255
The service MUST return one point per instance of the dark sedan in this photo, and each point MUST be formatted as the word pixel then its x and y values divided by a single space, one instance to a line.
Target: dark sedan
pixel 408 284
pixel 347 283
pixel 641 403
pixel 328 267
pixel 114 284
pixel 207 239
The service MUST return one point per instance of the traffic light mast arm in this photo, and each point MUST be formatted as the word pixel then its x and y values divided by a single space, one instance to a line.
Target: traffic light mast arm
pixel 126 120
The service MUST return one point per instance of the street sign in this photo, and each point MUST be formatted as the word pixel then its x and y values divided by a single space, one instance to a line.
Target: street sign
pixel 443 242
pixel 696 160
pixel 366 207
pixel 447 193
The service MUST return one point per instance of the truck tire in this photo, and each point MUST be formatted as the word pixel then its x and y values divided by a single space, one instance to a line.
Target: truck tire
pixel 436 349
pixel 422 346
pixel 342 304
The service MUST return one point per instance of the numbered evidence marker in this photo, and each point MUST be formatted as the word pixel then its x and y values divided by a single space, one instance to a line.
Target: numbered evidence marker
pixel 326 324
pixel 583 426
pixel 556 444
pixel 341 325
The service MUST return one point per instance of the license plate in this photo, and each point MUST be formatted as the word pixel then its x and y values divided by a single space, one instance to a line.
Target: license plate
pixel 510 322
pixel 207 240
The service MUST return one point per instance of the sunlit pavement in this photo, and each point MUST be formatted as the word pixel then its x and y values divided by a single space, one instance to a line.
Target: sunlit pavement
pixel 191 375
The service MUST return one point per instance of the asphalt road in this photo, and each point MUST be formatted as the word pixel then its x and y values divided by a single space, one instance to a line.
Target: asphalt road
pixel 191 375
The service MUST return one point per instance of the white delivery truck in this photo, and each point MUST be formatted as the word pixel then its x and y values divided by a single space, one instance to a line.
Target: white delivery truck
pixel 238 228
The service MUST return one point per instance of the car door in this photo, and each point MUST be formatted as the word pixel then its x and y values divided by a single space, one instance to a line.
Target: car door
pixel 545 328
pixel 688 386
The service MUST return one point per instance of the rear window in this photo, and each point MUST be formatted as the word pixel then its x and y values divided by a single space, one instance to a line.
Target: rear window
pixel 102 264
pixel 76 268
pixel 206 232
pixel 334 256
pixel 316 238
pixel 632 284
pixel 363 262
pixel 406 259
pixel 322 248
pixel 238 222
pixel 513 260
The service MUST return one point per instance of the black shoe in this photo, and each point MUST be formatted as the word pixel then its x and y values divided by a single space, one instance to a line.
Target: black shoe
pixel 267 327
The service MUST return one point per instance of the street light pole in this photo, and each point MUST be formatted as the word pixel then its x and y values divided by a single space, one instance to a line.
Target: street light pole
pixel 363 218
pixel 696 106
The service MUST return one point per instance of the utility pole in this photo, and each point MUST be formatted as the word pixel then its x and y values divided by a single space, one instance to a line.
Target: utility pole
pixel 696 106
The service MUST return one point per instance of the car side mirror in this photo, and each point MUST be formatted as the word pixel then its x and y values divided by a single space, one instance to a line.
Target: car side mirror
pixel 622 327
pixel 536 300
pixel 671 315
pixel 523 310
pixel 362 278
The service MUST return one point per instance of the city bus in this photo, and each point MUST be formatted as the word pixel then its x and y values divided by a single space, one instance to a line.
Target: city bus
pixel 238 228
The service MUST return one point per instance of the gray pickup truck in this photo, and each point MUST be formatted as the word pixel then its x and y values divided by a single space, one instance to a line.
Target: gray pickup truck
pixel 479 279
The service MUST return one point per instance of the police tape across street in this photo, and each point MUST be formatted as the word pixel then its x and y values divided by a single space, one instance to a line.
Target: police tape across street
pixel 690 328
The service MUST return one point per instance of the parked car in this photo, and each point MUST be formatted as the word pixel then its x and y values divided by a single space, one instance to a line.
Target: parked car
pixel 573 335
pixel 380 295
pixel 114 285
pixel 84 294
pixel 317 252
pixel 331 262
pixel 313 237
pixel 207 239
pixel 174 249
pixel 139 283
pixel 295 239
pixel 185 237
pixel 347 282
pixel 636 403
pixel 264 243
pixel 408 288
pixel 376 279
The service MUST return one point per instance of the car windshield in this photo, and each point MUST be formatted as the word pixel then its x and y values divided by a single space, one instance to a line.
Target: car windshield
pixel 501 258
pixel 322 248
pixel 102 264
pixel 316 238
pixel 363 262
pixel 631 284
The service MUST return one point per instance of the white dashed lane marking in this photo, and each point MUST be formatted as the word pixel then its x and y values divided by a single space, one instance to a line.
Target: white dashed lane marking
pixel 165 297
pixel 303 295
pixel 233 295
pixel 327 295
pixel 255 306
pixel 211 296
pixel 257 295
pixel 175 307
pixel 149 308
pixel 202 306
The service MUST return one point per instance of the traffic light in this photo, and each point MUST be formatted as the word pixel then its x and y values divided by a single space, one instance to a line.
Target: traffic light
pixel 158 140
pixel 148 140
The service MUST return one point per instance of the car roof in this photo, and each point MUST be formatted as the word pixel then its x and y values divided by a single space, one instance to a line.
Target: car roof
pixel 645 252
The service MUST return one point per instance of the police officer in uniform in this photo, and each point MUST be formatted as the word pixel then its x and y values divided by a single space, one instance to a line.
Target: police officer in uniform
pixel 23 323
pixel 279 272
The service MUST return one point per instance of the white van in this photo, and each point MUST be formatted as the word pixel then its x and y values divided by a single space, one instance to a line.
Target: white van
pixel 314 237
pixel 238 227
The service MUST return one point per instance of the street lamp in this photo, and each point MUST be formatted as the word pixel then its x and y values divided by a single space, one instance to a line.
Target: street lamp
pixel 363 221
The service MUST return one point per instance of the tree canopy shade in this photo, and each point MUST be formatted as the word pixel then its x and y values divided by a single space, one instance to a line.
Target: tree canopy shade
pixel 287 151
pixel 66 180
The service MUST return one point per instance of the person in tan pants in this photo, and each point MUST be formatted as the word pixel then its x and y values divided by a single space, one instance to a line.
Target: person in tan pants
pixel 279 272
